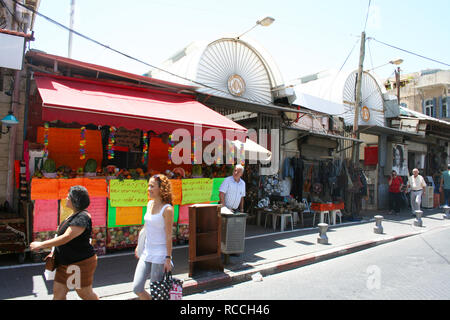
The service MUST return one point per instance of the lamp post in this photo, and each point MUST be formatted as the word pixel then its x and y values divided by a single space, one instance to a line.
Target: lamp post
pixel 355 149
pixel 267 21
pixel 9 121
pixel 397 77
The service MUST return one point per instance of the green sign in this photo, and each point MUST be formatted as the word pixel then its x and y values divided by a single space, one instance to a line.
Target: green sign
pixel 215 189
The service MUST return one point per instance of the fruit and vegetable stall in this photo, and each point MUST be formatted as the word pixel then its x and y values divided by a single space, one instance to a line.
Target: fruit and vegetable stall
pixel 118 194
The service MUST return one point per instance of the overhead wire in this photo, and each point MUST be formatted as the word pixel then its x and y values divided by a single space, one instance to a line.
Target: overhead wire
pixel 131 57
pixel 410 52
pixel 367 16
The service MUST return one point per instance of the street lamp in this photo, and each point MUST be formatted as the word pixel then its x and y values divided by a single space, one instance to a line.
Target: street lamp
pixel 267 21
pixel 397 77
pixel 9 121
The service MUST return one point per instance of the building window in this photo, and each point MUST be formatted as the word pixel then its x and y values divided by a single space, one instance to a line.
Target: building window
pixel 444 108
pixel 429 107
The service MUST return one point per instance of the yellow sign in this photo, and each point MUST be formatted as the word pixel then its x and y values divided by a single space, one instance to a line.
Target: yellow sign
pixel 64 212
pixel 128 193
pixel 197 190
pixel 365 113
pixel 128 215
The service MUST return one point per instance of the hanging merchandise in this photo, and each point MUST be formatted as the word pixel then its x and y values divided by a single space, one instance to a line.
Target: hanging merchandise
pixel 193 154
pixel 145 148
pixel 242 155
pixel 171 144
pixel 46 140
pixel 111 141
pixel 83 143
pixel 219 154
pixel 230 153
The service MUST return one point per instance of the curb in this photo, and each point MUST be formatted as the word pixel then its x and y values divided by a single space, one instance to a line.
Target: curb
pixel 215 282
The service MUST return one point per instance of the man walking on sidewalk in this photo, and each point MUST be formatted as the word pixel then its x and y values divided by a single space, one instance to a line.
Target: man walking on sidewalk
pixel 417 185
pixel 445 184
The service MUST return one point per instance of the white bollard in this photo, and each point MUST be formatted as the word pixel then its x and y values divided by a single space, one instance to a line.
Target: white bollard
pixel 447 212
pixel 418 220
pixel 322 239
pixel 378 227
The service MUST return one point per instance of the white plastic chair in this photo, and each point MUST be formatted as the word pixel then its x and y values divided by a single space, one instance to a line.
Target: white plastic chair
pixel 335 213
pixel 324 216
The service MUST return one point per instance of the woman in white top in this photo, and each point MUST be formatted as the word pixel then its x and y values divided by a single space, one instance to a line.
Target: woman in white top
pixel 156 256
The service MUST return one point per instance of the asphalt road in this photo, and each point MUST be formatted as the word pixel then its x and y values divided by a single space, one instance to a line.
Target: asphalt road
pixel 416 268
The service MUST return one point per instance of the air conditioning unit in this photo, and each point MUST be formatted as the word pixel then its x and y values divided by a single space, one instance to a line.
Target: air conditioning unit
pixel 283 93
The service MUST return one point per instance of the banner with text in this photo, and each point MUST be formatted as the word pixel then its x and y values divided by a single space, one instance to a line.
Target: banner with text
pixel 128 193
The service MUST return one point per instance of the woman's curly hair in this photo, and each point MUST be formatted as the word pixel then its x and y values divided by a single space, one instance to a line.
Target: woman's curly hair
pixel 165 188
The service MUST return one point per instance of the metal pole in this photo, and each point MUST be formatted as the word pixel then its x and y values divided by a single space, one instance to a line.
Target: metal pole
pixel 72 11
pixel 397 83
pixel 355 151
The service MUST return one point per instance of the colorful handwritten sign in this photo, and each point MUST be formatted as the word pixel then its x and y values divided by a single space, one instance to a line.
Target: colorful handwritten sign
pixel 128 215
pixel 128 193
pixel 215 189
pixel 96 187
pixel 176 191
pixel 45 215
pixel 183 215
pixel 117 217
pixel 44 189
pixel 196 190
pixel 97 210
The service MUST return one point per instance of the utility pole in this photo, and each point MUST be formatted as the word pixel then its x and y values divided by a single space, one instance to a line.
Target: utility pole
pixel 355 150
pixel 397 84
pixel 72 11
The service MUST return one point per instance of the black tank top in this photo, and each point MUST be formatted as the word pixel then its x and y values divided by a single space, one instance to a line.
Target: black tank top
pixel 78 248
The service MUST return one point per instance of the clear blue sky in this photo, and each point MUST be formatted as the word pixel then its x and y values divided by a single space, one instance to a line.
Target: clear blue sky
pixel 306 37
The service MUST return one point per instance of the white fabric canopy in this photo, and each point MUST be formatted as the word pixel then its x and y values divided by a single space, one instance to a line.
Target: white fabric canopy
pixel 253 150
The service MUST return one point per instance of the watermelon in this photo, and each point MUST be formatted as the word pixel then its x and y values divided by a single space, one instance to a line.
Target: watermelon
pixel 49 166
pixel 90 166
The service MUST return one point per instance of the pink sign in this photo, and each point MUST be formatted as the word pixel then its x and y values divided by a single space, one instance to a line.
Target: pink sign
pixel 97 210
pixel 183 214
pixel 45 215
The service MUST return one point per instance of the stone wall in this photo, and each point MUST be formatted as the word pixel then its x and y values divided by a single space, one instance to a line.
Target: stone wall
pixel 5 139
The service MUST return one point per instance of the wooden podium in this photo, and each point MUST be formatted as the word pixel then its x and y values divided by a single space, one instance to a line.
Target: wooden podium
pixel 204 238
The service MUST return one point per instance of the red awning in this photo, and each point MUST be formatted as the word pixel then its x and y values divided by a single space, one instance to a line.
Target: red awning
pixel 99 103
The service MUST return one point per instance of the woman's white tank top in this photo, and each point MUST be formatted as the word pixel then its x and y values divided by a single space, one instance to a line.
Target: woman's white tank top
pixel 155 249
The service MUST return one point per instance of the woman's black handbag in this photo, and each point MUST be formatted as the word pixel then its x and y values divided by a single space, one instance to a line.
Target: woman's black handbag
pixel 168 288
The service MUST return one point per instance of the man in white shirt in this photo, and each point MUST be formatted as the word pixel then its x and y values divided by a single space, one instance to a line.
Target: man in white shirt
pixel 232 190
pixel 417 185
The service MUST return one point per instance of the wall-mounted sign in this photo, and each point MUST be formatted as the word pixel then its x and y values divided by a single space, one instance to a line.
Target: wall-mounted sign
pixel 236 85
pixel 365 113
pixel 128 138
pixel 12 51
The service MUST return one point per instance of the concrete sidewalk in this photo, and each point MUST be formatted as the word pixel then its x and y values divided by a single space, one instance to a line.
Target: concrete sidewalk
pixel 266 252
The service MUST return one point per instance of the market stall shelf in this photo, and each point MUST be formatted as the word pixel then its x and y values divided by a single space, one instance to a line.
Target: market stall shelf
pixel 204 238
